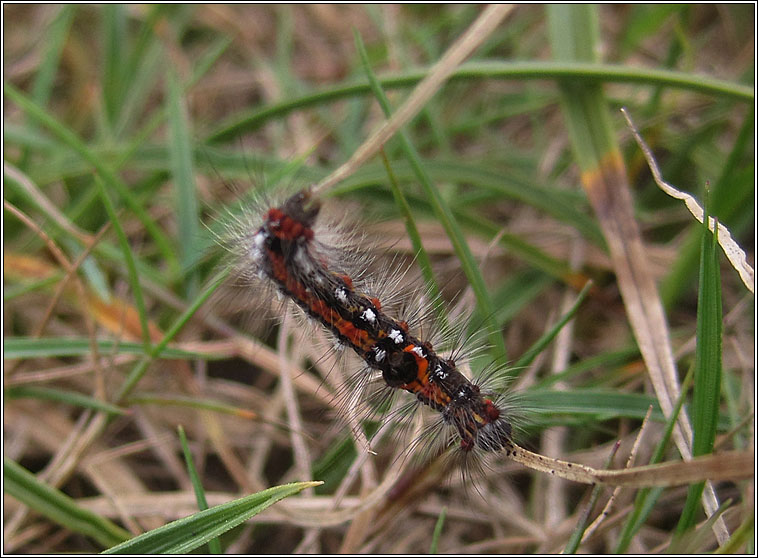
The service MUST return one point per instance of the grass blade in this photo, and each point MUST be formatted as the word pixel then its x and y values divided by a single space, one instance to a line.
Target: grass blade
pixel 192 403
pixel 130 266
pixel 588 72
pixel 214 545
pixel 532 352
pixel 54 504
pixel 708 362
pixel 731 196
pixel 62 396
pixel 581 527
pixel 606 184
pixel 56 37
pixel 183 171
pixel 157 350
pixel 51 347
pixel 186 534
pixel 114 45
pixel 437 531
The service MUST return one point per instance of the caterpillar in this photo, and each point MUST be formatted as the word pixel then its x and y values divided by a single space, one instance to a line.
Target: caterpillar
pixel 284 251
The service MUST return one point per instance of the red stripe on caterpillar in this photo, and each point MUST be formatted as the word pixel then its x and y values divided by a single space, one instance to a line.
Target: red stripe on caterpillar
pixel 283 250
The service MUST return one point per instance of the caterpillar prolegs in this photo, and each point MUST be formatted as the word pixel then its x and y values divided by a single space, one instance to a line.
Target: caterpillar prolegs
pixel 285 251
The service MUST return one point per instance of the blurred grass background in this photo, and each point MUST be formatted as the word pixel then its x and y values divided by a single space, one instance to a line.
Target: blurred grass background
pixel 130 131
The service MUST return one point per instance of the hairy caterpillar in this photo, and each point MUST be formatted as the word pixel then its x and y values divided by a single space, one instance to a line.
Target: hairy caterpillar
pixel 285 251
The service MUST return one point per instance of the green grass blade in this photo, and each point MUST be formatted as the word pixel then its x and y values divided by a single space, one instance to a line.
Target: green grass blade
pixel 190 403
pixel 52 347
pixel 528 357
pixel 518 292
pixel 334 464
pixel 143 65
pixel 9 292
pixel 708 362
pixel 214 545
pixel 183 171
pixel 573 33
pixel 126 251
pixel 578 72
pixel 742 539
pixel 62 396
pixel 474 222
pixel 438 531
pixel 592 402
pixel 596 403
pixel 56 35
pixel 693 541
pixel 611 360
pixel 200 68
pixel 186 534
pixel 114 45
pixel 55 505
pixel 157 350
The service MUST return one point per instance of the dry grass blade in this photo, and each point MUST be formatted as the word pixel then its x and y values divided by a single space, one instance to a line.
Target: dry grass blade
pixel 726 466
pixel 484 25
pixel 734 253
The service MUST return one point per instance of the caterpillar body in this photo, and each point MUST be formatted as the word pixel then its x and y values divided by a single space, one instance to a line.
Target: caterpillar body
pixel 284 251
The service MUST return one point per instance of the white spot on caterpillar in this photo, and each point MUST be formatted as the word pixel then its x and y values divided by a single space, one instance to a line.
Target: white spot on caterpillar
pixel 396 336
pixel 341 295
pixel 439 372
pixel 369 315
pixel 380 354
pixel 256 251
pixel 419 351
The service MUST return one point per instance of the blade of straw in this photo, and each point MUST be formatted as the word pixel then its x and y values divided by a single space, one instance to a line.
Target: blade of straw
pixel 734 253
